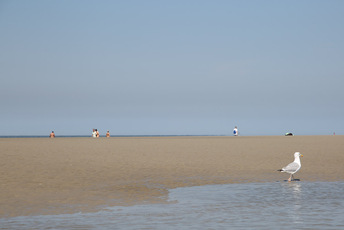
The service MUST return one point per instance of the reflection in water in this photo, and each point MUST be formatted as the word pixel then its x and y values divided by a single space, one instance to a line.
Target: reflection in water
pixel 294 188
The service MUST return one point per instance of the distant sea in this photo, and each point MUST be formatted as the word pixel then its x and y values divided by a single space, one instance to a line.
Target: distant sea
pixel 64 136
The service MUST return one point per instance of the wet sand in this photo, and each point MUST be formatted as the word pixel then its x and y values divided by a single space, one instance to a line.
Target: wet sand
pixel 66 175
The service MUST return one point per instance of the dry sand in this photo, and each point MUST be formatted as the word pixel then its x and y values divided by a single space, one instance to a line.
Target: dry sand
pixel 66 175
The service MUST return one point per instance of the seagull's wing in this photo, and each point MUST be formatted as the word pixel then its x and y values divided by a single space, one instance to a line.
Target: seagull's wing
pixel 291 168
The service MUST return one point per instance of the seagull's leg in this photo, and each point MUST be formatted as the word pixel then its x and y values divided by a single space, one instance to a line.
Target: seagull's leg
pixel 290 177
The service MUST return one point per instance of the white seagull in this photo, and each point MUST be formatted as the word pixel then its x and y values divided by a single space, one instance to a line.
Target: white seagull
pixel 292 167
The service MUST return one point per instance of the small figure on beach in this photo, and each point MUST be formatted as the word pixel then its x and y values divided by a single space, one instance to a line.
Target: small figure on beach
pixel 235 131
pixel 108 134
pixel 97 133
pixel 94 133
pixel 52 134
pixel 293 167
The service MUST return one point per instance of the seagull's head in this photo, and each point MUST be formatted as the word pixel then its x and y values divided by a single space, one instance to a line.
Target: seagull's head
pixel 297 154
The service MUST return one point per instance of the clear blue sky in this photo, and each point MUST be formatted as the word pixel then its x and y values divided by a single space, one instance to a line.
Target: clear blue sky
pixel 171 67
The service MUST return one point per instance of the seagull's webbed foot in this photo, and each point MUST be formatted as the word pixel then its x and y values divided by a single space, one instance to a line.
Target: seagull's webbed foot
pixel 292 177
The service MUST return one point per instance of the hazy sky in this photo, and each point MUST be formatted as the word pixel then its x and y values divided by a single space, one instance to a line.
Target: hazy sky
pixel 171 67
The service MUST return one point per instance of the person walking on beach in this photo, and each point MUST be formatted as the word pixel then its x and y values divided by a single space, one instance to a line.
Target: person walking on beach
pixel 108 134
pixel 52 134
pixel 235 131
pixel 97 133
pixel 94 133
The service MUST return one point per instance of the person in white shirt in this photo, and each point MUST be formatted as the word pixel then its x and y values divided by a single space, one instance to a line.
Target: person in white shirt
pixel 235 131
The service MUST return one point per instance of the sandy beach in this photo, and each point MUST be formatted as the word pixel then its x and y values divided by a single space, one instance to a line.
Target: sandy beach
pixel 67 175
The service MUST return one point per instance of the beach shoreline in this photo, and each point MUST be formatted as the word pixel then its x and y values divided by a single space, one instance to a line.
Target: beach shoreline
pixel 79 174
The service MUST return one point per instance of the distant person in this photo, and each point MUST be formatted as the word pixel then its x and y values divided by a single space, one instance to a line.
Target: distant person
pixel 97 133
pixel 108 134
pixel 52 134
pixel 94 133
pixel 235 131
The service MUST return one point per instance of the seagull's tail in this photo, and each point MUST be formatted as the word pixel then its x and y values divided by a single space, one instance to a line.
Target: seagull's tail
pixel 280 170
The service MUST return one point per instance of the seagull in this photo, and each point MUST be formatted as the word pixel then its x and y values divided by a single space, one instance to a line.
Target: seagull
pixel 293 167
